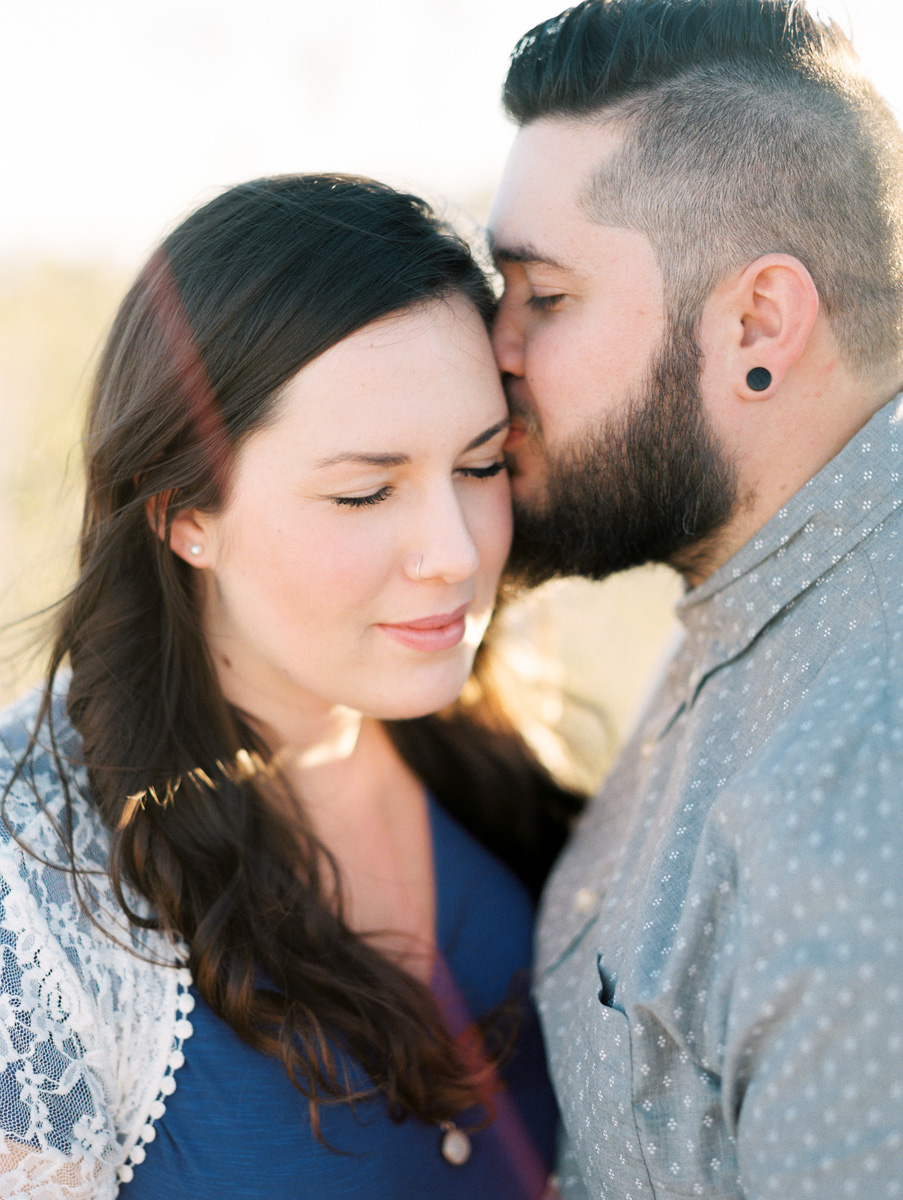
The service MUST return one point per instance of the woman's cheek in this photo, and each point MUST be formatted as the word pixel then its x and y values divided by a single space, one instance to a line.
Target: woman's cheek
pixel 501 524
pixel 354 552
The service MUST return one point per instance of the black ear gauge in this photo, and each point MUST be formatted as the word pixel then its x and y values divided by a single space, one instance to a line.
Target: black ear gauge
pixel 758 379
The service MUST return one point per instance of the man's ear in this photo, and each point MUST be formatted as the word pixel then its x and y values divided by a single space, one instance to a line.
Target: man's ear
pixel 772 307
pixel 187 532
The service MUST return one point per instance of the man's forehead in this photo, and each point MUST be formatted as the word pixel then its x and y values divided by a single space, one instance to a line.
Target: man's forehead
pixel 554 153
pixel 541 206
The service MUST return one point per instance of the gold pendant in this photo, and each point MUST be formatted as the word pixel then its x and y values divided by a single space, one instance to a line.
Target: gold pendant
pixel 456 1145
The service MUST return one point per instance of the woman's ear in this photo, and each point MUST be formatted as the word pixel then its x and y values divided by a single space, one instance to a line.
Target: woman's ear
pixel 187 533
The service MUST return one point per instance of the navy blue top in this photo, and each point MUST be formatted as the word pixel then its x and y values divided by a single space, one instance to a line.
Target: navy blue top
pixel 236 1128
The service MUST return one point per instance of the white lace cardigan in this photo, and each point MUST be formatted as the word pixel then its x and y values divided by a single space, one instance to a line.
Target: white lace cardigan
pixel 92 1020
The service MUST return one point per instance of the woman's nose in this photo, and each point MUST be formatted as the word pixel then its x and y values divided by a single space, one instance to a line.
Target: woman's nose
pixel 447 549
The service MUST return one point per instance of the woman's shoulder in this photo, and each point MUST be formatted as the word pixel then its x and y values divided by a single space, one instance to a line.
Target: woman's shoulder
pixel 94 1006
pixel 52 835
pixel 44 795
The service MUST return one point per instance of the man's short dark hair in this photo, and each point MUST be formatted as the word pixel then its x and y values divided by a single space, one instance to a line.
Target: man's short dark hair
pixel 749 129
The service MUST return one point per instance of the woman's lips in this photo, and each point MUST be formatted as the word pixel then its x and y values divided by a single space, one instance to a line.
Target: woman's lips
pixel 439 632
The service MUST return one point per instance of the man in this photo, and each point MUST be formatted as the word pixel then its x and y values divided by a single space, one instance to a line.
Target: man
pixel 701 238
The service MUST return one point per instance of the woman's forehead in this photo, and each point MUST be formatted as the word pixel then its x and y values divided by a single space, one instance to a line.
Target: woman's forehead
pixel 411 375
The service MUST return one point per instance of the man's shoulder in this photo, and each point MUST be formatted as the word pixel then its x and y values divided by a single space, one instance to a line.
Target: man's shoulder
pixel 830 771
pixel 860 594
pixel 849 624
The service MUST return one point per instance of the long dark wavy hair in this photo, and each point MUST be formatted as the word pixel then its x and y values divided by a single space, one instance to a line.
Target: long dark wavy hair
pixel 238 298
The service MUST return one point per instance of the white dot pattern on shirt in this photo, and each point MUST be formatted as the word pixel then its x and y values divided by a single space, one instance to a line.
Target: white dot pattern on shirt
pixel 749 872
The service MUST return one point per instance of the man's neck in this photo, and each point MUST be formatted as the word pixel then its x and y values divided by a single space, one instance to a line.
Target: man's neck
pixel 786 446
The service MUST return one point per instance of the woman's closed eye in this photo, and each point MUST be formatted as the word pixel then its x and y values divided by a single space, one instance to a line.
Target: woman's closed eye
pixel 362 501
pixel 385 492
pixel 483 472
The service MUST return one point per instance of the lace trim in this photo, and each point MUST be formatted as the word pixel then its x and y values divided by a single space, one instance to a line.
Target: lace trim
pixel 182 1031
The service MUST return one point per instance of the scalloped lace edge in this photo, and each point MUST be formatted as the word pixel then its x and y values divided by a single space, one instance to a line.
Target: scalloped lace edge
pixel 183 1030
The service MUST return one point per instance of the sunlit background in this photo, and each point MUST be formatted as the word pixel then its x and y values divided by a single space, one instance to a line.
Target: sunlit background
pixel 119 117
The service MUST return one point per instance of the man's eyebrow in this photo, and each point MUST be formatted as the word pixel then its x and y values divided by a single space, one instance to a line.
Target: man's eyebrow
pixel 401 460
pixel 524 253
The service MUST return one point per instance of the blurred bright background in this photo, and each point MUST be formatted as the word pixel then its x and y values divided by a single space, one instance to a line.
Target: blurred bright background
pixel 121 117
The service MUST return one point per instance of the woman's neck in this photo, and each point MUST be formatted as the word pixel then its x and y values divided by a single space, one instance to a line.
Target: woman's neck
pixel 364 804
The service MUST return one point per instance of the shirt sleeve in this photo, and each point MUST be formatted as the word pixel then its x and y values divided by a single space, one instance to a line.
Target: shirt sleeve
pixel 56 1138
pixel 814 1055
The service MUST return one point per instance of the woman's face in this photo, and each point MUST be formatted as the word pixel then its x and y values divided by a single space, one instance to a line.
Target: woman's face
pixel 358 554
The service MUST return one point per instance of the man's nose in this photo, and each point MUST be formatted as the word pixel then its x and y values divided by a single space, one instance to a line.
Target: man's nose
pixel 508 342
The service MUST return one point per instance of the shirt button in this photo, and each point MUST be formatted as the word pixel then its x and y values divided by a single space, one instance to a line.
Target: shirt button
pixel 647 748
pixel 585 900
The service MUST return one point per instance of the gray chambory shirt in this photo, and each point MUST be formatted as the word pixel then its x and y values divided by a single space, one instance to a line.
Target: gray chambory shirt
pixel 720 969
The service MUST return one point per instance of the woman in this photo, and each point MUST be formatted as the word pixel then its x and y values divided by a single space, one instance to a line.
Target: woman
pixel 257 936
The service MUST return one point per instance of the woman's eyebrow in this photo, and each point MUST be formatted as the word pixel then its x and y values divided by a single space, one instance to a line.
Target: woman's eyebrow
pixel 488 434
pixel 370 460
pixel 401 460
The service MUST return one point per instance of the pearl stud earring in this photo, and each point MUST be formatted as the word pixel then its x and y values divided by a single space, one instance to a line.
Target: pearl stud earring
pixel 194 549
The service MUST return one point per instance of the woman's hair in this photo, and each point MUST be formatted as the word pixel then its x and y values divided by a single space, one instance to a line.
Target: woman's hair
pixel 238 298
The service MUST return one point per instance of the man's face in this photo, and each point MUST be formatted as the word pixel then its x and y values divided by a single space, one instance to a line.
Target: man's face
pixel 615 461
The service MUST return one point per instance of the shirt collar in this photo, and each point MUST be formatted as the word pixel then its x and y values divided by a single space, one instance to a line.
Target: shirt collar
pixel 826 519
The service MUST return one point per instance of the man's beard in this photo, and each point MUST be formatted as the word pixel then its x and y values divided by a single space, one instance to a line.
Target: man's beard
pixel 649 485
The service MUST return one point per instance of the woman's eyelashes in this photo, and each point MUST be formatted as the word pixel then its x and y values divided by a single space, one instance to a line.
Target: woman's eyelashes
pixel 361 501
pixel 483 472
pixel 383 493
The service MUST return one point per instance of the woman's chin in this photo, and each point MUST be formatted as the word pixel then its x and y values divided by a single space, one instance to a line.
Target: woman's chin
pixel 408 703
